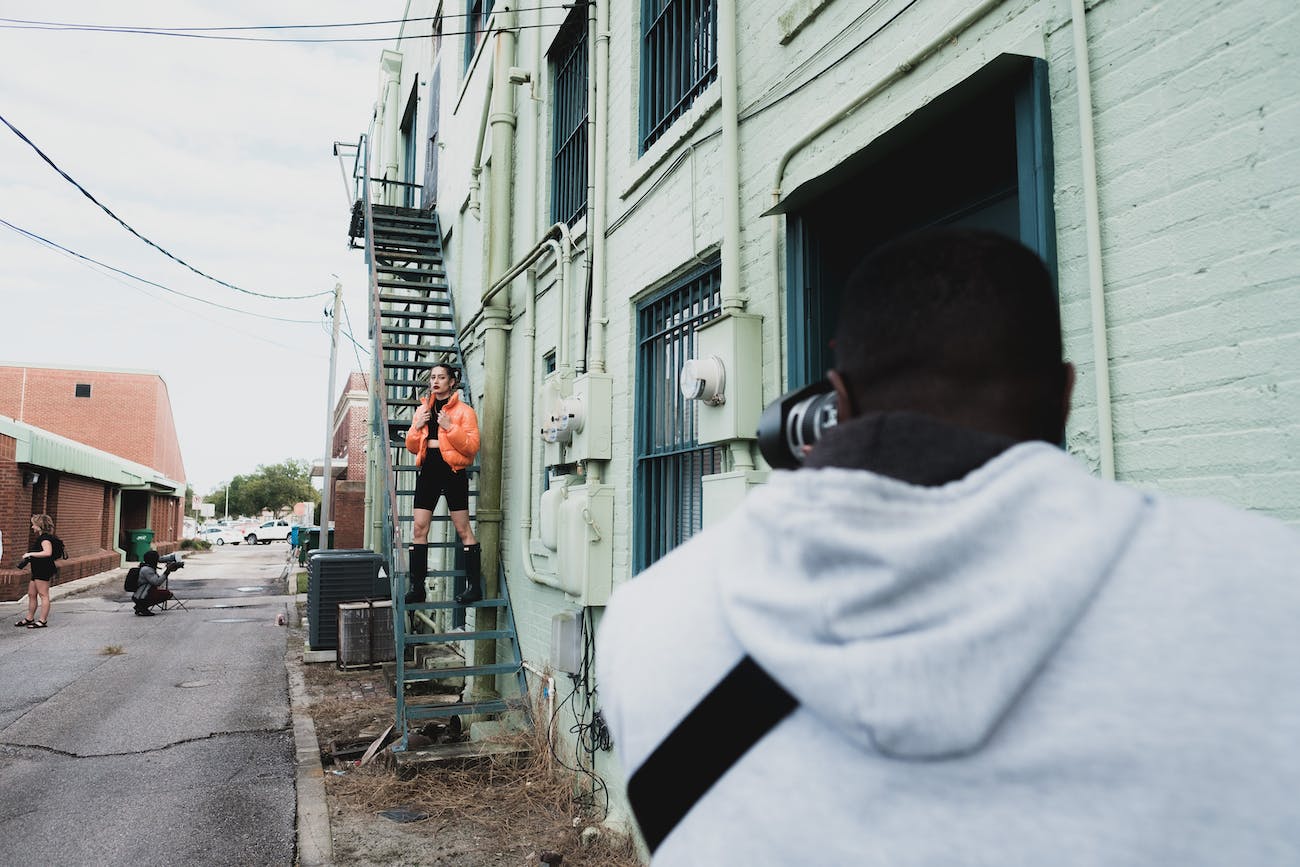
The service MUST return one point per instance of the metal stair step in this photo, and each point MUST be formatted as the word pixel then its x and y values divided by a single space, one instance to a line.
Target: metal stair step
pixel 423 349
pixel 412 676
pixel 415 314
pixel 407 256
pixel 482 603
pixel 433 711
pixel 417 332
pixel 414 271
pixel 448 637
pixel 382 214
pixel 425 299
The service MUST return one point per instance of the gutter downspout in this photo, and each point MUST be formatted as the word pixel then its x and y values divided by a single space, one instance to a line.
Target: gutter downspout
pixel 391 64
pixel 478 152
pixel 904 69
pixel 597 184
pixel 496 320
pixel 732 295
pixel 1092 224
pixel 563 250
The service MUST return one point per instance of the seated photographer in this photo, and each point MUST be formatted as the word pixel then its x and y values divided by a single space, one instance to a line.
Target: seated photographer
pixel 151 591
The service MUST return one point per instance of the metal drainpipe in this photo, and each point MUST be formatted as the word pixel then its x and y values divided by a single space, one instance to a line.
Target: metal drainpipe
pixel 597 183
pixel 558 239
pixel 732 295
pixel 478 152
pixel 391 62
pixel 970 19
pixel 1092 224
pixel 495 322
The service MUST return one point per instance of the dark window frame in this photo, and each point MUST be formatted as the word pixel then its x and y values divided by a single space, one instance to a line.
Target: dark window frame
pixel 569 76
pixel 669 463
pixel 81 389
pixel 679 60
pixel 477 14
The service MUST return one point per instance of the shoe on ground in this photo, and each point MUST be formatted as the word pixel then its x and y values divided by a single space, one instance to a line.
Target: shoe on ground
pixel 143 612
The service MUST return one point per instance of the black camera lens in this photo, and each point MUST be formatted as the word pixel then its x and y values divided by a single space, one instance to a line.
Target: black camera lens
pixel 795 422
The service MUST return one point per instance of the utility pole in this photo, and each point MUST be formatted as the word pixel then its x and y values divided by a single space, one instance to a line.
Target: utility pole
pixel 329 423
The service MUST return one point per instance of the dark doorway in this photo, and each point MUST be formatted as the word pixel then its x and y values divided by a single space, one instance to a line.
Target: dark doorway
pixel 978 156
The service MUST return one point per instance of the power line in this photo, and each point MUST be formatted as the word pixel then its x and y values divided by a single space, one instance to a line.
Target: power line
pixel 130 229
pixel 147 27
pixel 304 40
pixel 40 239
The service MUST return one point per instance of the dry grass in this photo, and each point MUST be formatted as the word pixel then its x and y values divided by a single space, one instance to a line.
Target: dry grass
pixel 113 650
pixel 514 807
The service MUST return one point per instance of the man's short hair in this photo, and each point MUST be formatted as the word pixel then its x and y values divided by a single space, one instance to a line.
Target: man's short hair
pixel 956 314
pixel 150 557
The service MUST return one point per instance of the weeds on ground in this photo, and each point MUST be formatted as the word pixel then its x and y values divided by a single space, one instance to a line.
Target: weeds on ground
pixel 113 650
pixel 520 801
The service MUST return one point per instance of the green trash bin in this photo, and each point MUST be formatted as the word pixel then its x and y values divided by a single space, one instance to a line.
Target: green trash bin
pixel 139 542
pixel 309 540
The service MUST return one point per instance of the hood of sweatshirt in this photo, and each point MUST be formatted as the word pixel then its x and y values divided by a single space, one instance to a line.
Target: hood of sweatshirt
pixel 912 618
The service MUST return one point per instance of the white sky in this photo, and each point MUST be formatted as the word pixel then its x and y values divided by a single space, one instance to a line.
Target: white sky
pixel 221 153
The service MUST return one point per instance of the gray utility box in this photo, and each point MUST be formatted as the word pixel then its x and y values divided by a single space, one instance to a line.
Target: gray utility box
pixel 366 634
pixel 348 575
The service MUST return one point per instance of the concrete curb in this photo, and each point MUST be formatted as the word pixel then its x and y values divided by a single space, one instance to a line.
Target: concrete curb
pixel 315 847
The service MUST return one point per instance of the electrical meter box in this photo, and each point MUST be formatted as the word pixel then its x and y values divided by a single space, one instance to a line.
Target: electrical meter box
pixel 585 536
pixel 566 641
pixel 737 340
pixel 590 412
pixel 554 424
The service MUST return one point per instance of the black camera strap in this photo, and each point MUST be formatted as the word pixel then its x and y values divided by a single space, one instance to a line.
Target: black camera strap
pixel 746 705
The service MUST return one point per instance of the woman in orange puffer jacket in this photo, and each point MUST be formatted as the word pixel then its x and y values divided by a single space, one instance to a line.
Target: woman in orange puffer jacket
pixel 444 448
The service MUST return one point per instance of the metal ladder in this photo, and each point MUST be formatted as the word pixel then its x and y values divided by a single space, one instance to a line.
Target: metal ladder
pixel 412 324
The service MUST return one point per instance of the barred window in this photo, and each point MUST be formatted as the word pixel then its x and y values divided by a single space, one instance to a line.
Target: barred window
pixel 679 59
pixel 568 60
pixel 670 464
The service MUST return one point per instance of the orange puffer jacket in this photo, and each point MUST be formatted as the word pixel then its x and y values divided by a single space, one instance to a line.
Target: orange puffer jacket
pixel 458 445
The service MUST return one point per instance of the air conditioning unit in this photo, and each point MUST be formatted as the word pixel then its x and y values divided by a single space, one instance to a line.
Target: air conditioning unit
pixel 335 576
pixel 366 634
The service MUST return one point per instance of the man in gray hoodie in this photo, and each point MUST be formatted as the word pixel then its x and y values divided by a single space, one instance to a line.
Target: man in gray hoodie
pixel 943 641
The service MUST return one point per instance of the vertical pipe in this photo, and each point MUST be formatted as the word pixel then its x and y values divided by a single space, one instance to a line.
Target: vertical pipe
pixel 1092 224
pixel 598 186
pixel 329 422
pixel 495 321
pixel 733 297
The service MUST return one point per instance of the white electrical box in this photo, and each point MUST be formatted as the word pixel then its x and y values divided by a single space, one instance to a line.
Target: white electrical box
pixel 585 554
pixel 590 414
pixel 721 493
pixel 554 424
pixel 734 342
pixel 566 642
pixel 548 513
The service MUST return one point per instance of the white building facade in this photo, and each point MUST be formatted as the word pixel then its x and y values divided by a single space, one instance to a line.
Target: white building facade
pixel 632 185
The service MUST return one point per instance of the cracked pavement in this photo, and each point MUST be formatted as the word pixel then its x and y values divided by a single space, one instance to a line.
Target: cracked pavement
pixel 177 749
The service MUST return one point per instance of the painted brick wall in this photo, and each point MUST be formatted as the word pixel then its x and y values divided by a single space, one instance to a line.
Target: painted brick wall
pixel 126 414
pixel 1197 126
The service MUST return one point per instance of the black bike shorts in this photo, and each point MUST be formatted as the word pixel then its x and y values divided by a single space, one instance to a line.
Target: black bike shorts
pixel 436 479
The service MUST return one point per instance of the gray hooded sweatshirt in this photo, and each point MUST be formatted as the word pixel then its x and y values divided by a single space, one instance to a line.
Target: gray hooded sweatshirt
pixel 1027 666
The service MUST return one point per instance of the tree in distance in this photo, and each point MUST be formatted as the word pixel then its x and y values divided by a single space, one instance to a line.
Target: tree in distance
pixel 274 488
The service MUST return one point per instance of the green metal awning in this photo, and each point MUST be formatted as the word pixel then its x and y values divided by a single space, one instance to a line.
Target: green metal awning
pixel 44 450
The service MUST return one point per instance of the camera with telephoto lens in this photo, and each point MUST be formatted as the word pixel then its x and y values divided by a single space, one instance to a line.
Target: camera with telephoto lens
pixel 174 561
pixel 794 422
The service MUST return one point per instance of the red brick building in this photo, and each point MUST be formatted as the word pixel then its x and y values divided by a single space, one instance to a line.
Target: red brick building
pixel 98 481
pixel 348 464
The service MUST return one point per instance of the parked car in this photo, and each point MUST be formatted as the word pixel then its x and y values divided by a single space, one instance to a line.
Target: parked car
pixel 220 535
pixel 269 532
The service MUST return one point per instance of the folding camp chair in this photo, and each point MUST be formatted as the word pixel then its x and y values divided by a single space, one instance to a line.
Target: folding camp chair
pixel 174 601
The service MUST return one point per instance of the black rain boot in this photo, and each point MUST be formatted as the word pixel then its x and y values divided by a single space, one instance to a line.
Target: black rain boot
pixel 473 575
pixel 419 571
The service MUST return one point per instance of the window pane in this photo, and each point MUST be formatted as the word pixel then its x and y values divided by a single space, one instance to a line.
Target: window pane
pixel 670 463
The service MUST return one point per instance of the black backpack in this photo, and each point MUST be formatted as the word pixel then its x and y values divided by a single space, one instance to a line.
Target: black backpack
pixel 132 582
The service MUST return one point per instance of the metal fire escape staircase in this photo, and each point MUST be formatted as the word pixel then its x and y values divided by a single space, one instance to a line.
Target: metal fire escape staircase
pixel 413 323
